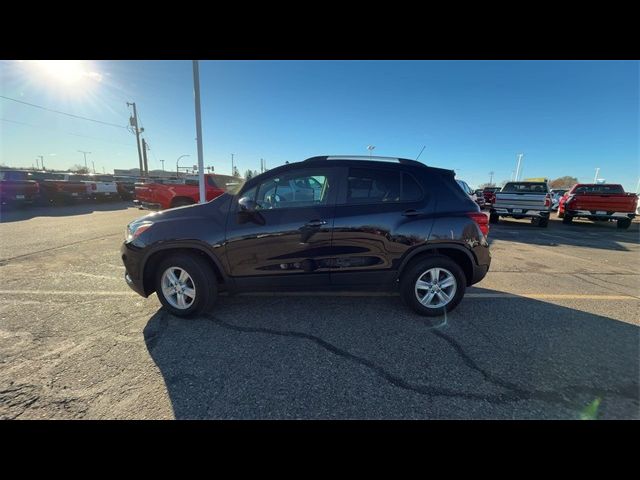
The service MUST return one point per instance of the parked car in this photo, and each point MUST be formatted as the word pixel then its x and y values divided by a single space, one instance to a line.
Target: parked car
pixel 61 187
pixel 489 194
pixel 323 223
pixel 522 200
pixel 480 199
pixel 556 195
pixel 126 187
pixel 467 189
pixel 161 195
pixel 17 188
pixel 598 202
pixel 102 187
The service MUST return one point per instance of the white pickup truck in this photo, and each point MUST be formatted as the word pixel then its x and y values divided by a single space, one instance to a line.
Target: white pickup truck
pixel 522 200
pixel 102 187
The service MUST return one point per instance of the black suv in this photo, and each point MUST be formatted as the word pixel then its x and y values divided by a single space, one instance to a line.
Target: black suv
pixel 326 223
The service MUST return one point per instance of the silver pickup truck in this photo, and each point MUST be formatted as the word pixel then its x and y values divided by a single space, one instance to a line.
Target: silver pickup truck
pixel 523 199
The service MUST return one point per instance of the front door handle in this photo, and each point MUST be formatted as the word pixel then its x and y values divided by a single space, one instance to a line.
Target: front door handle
pixel 316 223
pixel 411 213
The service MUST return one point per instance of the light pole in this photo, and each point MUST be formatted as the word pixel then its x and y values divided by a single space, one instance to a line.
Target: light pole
pixel 520 155
pixel 177 162
pixel 94 167
pixel 196 96
pixel 233 170
pixel 370 148
pixel 41 161
pixel 162 161
pixel 595 179
pixel 85 158
pixel 491 178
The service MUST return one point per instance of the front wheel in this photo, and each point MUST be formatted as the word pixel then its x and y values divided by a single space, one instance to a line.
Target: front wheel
pixel 186 285
pixel 624 223
pixel 433 286
pixel 567 219
pixel 493 217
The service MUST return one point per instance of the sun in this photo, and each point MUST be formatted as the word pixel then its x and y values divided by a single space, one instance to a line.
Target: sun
pixel 66 72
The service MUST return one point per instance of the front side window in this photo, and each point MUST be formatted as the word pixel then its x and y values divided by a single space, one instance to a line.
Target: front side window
pixel 291 190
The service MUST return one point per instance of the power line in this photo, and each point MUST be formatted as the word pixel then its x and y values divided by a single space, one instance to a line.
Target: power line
pixel 63 113
pixel 68 133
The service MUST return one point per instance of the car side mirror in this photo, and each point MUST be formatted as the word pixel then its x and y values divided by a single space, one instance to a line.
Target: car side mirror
pixel 247 205
pixel 249 212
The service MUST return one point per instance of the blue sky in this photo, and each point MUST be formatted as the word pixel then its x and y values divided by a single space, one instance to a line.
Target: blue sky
pixel 567 117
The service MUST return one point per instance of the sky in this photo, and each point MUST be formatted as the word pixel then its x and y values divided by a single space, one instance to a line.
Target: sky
pixel 566 117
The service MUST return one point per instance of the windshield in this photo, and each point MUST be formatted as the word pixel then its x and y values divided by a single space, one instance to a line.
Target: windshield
pixel 525 187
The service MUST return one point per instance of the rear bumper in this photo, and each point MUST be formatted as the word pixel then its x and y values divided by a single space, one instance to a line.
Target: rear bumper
pixel 606 215
pixel 479 272
pixel 526 212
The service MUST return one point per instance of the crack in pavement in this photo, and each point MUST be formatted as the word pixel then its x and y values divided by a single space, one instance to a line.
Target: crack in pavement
pixel 514 392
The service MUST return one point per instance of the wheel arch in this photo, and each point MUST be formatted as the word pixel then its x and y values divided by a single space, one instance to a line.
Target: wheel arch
pixel 461 255
pixel 153 258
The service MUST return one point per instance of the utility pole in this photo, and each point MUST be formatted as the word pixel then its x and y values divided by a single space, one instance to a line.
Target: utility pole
pixel 134 123
pixel 595 179
pixel 261 166
pixel 491 178
pixel 94 167
pixel 196 94
pixel 371 147
pixel 144 157
pixel 37 164
pixel 162 161
pixel 233 170
pixel 85 158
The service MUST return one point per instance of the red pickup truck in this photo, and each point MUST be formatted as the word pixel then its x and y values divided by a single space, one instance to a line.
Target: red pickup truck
pixel 489 194
pixel 17 187
pixel 598 202
pixel 61 187
pixel 160 195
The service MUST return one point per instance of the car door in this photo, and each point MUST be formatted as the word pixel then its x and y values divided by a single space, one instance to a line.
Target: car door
pixel 380 214
pixel 285 240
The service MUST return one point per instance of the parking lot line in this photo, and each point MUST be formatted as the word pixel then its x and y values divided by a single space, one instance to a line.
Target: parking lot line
pixel 535 296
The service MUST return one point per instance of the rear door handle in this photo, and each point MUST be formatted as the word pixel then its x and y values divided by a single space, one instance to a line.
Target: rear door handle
pixel 411 213
pixel 316 223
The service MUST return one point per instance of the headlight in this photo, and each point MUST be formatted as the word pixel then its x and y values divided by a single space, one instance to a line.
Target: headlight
pixel 134 230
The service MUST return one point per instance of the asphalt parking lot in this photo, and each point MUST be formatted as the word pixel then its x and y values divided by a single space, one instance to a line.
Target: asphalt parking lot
pixel 551 332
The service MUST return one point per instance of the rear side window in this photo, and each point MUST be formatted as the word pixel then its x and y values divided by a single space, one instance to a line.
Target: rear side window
pixel 366 186
pixel 525 187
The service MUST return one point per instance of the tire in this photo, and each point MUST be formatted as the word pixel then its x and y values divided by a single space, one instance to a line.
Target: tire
pixel 181 202
pixel 624 223
pixel 493 218
pixel 419 270
pixel 202 281
pixel 567 219
pixel 543 222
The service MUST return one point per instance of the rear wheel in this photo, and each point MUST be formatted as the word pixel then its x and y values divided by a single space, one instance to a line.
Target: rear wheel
pixel 433 285
pixel 540 222
pixel 624 223
pixel 560 214
pixel 494 217
pixel 567 219
pixel 186 285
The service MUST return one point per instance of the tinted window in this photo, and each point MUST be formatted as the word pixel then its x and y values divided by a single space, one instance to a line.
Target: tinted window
pixel 526 187
pixel 599 189
pixel 411 191
pixel 291 190
pixel 373 186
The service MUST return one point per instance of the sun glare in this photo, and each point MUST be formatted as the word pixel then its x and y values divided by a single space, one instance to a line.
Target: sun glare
pixel 67 72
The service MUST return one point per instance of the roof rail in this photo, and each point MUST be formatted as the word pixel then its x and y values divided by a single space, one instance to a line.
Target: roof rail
pixel 367 158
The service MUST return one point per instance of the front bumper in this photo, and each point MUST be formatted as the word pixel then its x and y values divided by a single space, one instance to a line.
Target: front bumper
pixel 132 259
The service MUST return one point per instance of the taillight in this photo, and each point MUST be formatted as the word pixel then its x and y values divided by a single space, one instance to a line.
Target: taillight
pixel 94 186
pixel 547 200
pixel 482 220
